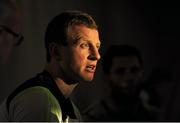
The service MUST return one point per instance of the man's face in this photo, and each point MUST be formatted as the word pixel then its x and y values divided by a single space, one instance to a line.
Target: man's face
pixel 80 56
pixel 126 72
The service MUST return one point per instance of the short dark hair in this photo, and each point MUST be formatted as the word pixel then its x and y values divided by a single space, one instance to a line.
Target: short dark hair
pixel 57 29
pixel 119 51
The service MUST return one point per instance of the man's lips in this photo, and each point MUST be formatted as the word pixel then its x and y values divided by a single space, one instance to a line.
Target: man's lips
pixel 91 68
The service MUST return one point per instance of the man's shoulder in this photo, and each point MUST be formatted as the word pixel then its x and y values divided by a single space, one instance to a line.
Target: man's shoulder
pixel 35 81
pixel 37 95
pixel 35 91
pixel 33 87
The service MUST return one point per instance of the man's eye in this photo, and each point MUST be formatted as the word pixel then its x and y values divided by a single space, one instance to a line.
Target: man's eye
pixel 85 45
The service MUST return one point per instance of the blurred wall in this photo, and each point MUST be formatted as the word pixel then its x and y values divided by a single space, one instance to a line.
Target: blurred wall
pixel 152 26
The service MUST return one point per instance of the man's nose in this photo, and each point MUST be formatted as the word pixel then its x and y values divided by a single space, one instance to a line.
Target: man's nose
pixel 94 54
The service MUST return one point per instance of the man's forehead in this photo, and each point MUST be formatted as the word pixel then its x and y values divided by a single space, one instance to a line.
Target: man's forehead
pixel 78 32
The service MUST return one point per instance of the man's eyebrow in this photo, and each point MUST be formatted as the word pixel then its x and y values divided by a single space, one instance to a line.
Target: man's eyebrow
pixel 99 42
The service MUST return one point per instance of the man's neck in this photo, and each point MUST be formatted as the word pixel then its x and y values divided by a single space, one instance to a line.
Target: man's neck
pixel 65 88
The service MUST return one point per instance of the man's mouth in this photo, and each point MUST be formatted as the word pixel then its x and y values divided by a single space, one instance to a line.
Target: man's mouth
pixel 91 68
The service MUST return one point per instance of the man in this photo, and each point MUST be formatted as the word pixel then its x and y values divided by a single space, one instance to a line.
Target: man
pixel 10 22
pixel 72 44
pixel 123 68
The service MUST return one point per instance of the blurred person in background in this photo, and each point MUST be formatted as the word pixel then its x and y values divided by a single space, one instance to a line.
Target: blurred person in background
pixel 10 26
pixel 123 68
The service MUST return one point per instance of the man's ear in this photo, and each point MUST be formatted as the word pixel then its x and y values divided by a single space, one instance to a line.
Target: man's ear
pixel 54 50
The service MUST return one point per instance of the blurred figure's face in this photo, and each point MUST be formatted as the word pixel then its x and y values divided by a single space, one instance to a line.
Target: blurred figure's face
pixel 126 72
pixel 9 29
pixel 6 45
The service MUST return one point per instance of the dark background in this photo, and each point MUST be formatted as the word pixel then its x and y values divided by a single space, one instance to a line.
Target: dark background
pixel 150 25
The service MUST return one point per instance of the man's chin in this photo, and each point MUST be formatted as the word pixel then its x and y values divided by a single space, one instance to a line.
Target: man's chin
pixel 88 79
